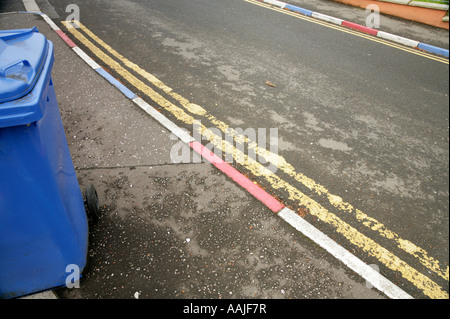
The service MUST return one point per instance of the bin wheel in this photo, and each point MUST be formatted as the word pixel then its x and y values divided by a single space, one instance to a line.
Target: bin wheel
pixel 92 204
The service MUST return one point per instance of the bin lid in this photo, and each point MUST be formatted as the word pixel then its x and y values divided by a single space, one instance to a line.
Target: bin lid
pixel 22 56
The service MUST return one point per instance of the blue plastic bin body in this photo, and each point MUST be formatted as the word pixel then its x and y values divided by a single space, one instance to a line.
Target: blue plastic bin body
pixel 43 223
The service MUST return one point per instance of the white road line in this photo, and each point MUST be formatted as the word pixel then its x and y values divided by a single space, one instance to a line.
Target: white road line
pixel 31 6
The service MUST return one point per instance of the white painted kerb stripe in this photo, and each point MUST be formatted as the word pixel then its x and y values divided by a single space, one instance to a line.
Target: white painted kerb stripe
pixel 276 3
pixel 350 260
pixel 324 17
pixel 164 121
pixel 50 22
pixel 398 39
pixel 86 58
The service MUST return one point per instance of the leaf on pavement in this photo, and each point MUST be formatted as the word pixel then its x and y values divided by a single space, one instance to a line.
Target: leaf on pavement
pixel 271 84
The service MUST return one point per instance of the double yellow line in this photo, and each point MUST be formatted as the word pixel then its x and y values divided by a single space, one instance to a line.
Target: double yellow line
pixel 189 112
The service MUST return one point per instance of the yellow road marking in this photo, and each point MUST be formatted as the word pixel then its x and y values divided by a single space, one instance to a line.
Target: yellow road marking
pixel 430 288
pixel 350 31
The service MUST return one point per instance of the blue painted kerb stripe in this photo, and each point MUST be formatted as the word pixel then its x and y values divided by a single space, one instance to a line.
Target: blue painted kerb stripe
pixel 433 49
pixel 298 9
pixel 116 83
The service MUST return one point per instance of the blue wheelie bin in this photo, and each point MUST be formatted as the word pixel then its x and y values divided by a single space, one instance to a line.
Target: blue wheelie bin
pixel 43 222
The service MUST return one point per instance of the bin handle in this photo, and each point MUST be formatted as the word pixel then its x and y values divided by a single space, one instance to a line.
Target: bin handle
pixel 8 66
pixel 13 34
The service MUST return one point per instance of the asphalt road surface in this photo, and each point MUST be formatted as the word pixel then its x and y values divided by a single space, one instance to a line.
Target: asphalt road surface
pixel 363 134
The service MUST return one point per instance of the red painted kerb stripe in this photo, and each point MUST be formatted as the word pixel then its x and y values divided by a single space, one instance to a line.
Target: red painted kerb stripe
pixel 268 200
pixel 65 38
pixel 359 27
